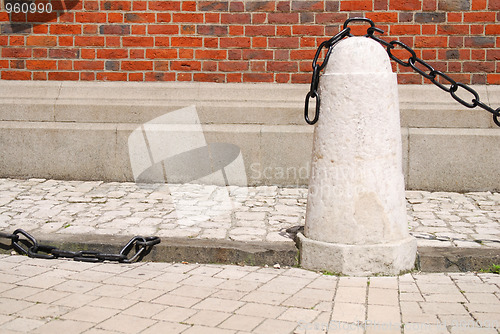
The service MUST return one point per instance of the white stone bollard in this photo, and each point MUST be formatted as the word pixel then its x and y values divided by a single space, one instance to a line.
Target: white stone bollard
pixel 356 222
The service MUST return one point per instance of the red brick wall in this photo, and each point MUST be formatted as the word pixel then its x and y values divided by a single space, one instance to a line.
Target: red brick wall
pixel 237 40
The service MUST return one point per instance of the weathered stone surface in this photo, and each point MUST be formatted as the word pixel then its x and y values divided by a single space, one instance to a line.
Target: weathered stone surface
pixel 356 205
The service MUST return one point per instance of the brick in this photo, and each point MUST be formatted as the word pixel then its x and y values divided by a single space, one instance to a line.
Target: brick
pixel 480 42
pixel 430 41
pixel 185 65
pixel 41 64
pixel 212 18
pixel 283 18
pixel 383 17
pixel 211 54
pixel 161 53
pixel 116 5
pixel 235 6
pixel 187 17
pixel 112 53
pixel 41 40
pixel 187 41
pixel 493 54
pixel 87 53
pixel 115 18
pixel 405 5
pixel 235 18
pixel 348 5
pixel 479 4
pixel 16 28
pixel 64 53
pixel 453 29
pixel 137 65
pixel 480 17
pixel 88 65
pixel 90 17
pixel 16 53
pixel 493 79
pixel 16 75
pixel 258 77
pixel 329 18
pixel 135 77
pixel 214 6
pixel 308 6
pixel 64 65
pixel 257 54
pixel 233 66
pixel 164 5
pixel 454 5
pixel 308 30
pixel 301 78
pixel 282 66
pixel 40 53
pixel 236 30
pixel 114 29
pixel 479 66
pixel 235 42
pixel 213 30
pixel 260 30
pixel 159 76
pixel 209 77
pixel 143 41
pixel 430 17
pixel 64 76
pixel 140 17
pixel 209 66
pixel 492 29
pixel 89 41
pixel 163 29
pixel 188 29
pixel 189 6
pixel 429 5
pixel 112 65
pixel 263 6
pixel 18 64
pixel 284 42
pixel 405 29
pixel 494 5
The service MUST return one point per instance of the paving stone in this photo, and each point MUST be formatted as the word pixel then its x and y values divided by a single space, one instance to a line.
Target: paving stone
pixel 126 324
pixel 241 322
pixel 348 312
pixel 63 326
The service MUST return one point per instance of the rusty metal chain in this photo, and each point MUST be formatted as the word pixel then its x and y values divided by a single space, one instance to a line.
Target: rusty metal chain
pixel 418 65
pixel 25 244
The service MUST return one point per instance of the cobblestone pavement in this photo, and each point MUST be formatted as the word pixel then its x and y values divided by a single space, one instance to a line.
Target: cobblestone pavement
pixel 62 296
pixel 233 213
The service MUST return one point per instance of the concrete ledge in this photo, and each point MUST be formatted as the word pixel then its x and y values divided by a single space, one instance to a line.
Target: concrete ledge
pixel 79 130
pixel 178 250
pixel 446 259
pixel 429 259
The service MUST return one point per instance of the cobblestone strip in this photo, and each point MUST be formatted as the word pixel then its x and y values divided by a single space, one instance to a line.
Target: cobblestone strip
pixel 57 296
pixel 212 212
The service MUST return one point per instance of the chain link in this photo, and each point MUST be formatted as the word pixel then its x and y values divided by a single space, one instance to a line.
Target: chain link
pixel 29 246
pixel 413 61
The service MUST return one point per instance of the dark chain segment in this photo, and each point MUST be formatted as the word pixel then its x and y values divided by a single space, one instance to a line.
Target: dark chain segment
pixel 25 244
pixel 423 68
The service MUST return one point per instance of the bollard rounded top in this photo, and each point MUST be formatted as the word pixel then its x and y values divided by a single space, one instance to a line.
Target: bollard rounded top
pixel 358 55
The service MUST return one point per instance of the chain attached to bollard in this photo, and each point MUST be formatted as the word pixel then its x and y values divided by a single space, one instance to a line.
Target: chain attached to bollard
pixel 29 246
pixel 427 72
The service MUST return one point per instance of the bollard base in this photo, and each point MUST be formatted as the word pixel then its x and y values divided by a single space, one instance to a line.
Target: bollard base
pixel 358 260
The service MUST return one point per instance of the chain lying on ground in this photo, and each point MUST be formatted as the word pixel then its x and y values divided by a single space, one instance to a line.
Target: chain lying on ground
pixel 30 246
pixel 428 72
